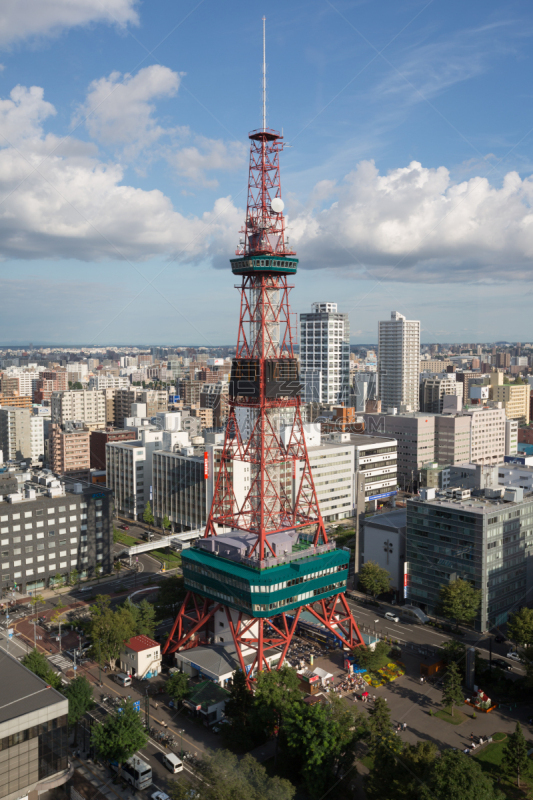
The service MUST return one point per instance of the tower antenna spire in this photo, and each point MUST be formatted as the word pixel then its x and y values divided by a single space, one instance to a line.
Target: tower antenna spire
pixel 264 78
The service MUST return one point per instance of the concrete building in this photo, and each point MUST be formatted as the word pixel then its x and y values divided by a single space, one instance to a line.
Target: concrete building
pixel 51 525
pixel 325 348
pixel 415 435
pixel 511 437
pixel 36 438
pixel 332 467
pixel 88 407
pixel 363 388
pixel 487 436
pixel 33 734
pixel 141 657
pixel 376 459
pixel 434 388
pixel 488 542
pixel 434 365
pixel 99 440
pixel 399 363
pixel 69 449
pixel 452 438
pixel 129 471
pixel 154 400
pixel 516 476
pixel 383 541
pixel 108 382
pixel 215 396
pixel 16 433
pixel 50 381
pixel 515 398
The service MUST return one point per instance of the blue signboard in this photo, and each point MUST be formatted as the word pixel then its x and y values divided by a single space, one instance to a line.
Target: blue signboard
pixel 382 496
pixel 137 705
pixel 173 398
pixel 515 460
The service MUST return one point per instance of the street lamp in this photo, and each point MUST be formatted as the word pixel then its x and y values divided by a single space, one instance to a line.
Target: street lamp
pixel 181 731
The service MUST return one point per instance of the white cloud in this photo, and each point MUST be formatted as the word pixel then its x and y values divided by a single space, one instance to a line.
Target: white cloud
pixel 415 224
pixel 119 109
pixel 205 155
pixel 20 19
pixel 72 205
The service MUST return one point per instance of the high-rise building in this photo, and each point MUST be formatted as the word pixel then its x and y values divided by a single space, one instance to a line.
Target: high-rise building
pixel 69 451
pixel 399 363
pixel 434 388
pixel 129 471
pixel 85 406
pixel 325 354
pixel 15 433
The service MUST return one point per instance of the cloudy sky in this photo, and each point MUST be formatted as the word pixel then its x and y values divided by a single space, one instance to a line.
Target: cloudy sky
pixel 123 164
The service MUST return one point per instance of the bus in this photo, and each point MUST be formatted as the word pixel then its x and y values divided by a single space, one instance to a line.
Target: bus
pixel 135 771
pixel 413 614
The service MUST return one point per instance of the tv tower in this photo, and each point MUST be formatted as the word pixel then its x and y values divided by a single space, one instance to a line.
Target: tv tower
pixel 265 557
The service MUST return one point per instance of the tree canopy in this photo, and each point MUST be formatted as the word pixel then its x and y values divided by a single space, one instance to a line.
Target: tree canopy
pixel 121 735
pixel 371 659
pixel 452 693
pixel 170 595
pixel 515 760
pixel 374 579
pixel 38 663
pixel 520 627
pixel 457 775
pixel 148 516
pixel 109 629
pixel 459 601
pixel 177 686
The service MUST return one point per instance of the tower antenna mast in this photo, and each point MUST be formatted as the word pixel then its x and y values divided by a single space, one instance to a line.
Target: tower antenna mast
pixel 264 78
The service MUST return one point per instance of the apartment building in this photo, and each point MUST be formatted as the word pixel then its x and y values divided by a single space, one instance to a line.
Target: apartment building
pixel 376 459
pixel 15 433
pixel 86 406
pixel 332 467
pixel 216 397
pixel 484 541
pixel 69 449
pixel 190 390
pixel 109 382
pixel 33 734
pixel 434 388
pixel 325 349
pixel 515 398
pixel 399 363
pixel 452 439
pixel 129 471
pixel 99 439
pixel 414 433
pixel 435 365
pixel 487 435
pixel 154 400
pixel 50 381
pixel 52 526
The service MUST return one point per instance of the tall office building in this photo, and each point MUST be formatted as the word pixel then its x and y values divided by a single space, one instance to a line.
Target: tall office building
pixel 399 362
pixel 325 354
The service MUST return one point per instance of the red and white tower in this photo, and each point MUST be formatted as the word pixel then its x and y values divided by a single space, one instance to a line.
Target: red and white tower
pixel 265 557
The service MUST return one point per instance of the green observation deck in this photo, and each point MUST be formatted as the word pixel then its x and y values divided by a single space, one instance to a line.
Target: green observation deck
pixel 270 264
pixel 306 577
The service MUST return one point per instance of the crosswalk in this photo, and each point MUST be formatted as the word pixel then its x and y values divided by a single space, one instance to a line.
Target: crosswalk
pixel 60 662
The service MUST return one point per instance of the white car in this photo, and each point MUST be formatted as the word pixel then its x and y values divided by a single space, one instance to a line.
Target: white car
pixel 160 796
pixel 513 656
pixel 391 616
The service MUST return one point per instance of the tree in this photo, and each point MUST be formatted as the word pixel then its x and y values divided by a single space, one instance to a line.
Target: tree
pixel 120 736
pixel 515 760
pixel 98 572
pixel 59 580
pixel 36 600
pixel 166 523
pixel 455 774
pixel 371 659
pixel 74 576
pixel 80 700
pixel 459 601
pixel 240 711
pixel 379 723
pixel 171 593
pixel 38 664
pixel 148 517
pixel 146 618
pixel 454 651
pixel 452 694
pixel 374 579
pixel 275 694
pixel 117 566
pixel 177 687
pixel 109 629
pixel 520 627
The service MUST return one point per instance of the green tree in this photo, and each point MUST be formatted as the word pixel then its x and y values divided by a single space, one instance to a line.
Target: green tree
pixel 520 627
pixel 455 775
pixel 98 572
pixel 148 517
pixel 37 663
pixel 240 710
pixel 80 700
pixel 387 779
pixel 170 595
pixel 110 629
pixel 36 600
pixel 74 576
pixel 515 760
pixel 379 723
pixel 177 687
pixel 146 619
pixel 374 579
pixel 120 736
pixel 459 601
pixel 59 580
pixel 166 523
pixel 276 692
pixel 372 659
pixel 452 693
pixel 117 566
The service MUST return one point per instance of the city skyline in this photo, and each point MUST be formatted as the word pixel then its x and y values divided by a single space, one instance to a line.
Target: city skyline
pixel 123 165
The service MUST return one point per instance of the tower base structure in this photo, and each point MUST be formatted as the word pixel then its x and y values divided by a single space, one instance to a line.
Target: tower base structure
pixel 226 603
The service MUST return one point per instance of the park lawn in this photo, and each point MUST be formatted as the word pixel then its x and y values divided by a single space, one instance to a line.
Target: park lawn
pixel 457 719
pixel 123 538
pixel 171 560
pixel 490 759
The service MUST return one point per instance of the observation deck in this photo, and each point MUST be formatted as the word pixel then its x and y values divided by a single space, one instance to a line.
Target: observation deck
pixel 264 265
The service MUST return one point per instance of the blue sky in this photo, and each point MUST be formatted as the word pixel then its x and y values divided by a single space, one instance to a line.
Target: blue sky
pixel 123 164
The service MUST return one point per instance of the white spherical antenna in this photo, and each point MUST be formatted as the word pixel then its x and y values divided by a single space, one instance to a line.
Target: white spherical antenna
pixel 277 205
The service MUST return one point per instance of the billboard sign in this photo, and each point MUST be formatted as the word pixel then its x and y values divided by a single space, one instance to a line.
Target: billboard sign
pixel 206 465
pixel 382 496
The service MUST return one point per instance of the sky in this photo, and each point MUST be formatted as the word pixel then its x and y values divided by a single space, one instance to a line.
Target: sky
pixel 407 179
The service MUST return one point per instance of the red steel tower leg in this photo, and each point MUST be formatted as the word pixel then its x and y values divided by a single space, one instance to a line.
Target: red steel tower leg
pixel 265 558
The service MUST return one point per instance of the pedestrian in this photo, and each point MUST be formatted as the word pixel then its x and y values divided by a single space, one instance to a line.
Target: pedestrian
pixel 374 698
pixel 157 705
pixel 471 737
pixel 405 726
pixel 421 679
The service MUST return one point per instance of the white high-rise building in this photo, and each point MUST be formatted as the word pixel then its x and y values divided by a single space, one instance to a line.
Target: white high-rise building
pixel 325 354
pixel 399 363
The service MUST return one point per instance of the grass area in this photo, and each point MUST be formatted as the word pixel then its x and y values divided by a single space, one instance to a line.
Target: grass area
pixel 123 538
pixel 457 719
pixel 490 759
pixel 170 559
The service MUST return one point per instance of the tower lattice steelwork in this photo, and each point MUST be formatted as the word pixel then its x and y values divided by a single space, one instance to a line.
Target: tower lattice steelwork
pixel 265 557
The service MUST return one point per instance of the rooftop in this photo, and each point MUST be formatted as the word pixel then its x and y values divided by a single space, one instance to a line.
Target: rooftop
pixel 22 692
pixel 140 643
pixel 474 505
pixel 206 693
pixel 364 440
pixel 394 520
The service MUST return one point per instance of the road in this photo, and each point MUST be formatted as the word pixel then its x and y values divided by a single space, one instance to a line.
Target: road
pixel 373 618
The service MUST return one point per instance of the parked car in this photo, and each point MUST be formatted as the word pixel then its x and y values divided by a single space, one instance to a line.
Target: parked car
pixel 513 656
pixel 391 616
pixel 160 796
pixel 125 527
pixel 500 662
pixel 500 638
